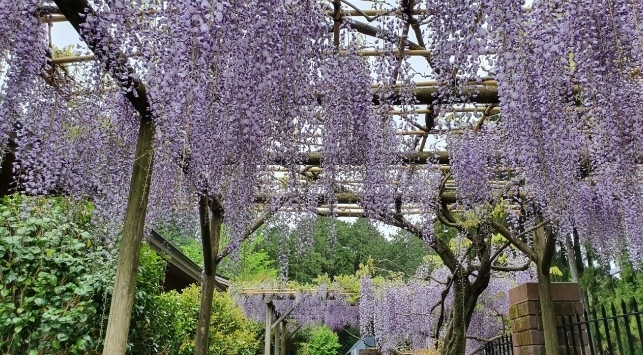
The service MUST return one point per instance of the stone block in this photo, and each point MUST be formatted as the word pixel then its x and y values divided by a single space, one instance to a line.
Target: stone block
pixel 525 292
pixel 530 350
pixel 560 291
pixel 565 291
pixel 524 323
pixel 559 308
pixel 528 337
pixel 513 311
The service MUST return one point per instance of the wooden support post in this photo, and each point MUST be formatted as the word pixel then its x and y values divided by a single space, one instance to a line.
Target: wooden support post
pixel 268 326
pixel 277 338
pixel 120 311
pixel 210 235
pixel 284 334
pixel 544 247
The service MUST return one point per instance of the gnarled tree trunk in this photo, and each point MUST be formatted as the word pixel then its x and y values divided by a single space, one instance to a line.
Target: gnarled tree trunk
pixel 466 296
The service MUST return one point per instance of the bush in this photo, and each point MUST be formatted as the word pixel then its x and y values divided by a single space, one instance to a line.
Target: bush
pixel 56 282
pixel 322 341
pixel 50 275
pixel 231 333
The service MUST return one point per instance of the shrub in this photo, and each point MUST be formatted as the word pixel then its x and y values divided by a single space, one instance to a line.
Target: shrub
pixel 56 281
pixel 50 274
pixel 231 333
pixel 322 341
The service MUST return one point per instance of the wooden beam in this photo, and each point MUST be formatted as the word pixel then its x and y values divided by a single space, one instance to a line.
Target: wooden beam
pixel 284 335
pixel 283 316
pixel 277 341
pixel 76 11
pixel 435 157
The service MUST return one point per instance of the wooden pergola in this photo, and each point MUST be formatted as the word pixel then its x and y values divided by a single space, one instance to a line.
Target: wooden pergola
pixel 480 99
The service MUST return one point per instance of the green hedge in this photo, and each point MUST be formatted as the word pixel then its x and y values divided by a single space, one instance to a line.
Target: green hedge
pixel 55 283
pixel 51 275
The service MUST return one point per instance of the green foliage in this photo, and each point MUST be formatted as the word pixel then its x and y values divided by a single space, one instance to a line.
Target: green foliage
pixel 605 290
pixel 50 275
pixel 193 250
pixel 187 244
pixel 254 263
pixel 231 333
pixel 353 244
pixel 321 341
pixel 55 282
pixel 147 334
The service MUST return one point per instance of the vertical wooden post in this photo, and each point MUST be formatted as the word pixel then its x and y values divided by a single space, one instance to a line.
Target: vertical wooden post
pixel 284 334
pixel 210 235
pixel 268 325
pixel 277 338
pixel 544 247
pixel 120 311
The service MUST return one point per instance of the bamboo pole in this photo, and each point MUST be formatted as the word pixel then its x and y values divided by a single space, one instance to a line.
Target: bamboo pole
pixel 363 53
pixel 489 82
pixel 73 59
pixel 493 111
pixel 53 18
pixel 210 235
pixel 58 17
pixel 381 12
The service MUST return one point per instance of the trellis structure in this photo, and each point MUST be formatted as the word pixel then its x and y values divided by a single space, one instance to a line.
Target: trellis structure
pixel 275 321
pixel 380 185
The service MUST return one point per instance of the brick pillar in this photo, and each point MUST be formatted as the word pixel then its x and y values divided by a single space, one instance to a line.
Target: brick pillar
pixel 526 320
pixel 369 352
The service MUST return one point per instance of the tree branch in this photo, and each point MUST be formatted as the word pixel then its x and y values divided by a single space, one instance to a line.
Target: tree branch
pixel 511 268
pixel 499 251
pixel 438 245
pixel 524 248
pixel 485 114
pixel 444 295
pixel 258 222
pixel 444 215
pixel 533 228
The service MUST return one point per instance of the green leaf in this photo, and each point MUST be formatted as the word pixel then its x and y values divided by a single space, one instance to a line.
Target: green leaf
pixel 40 302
